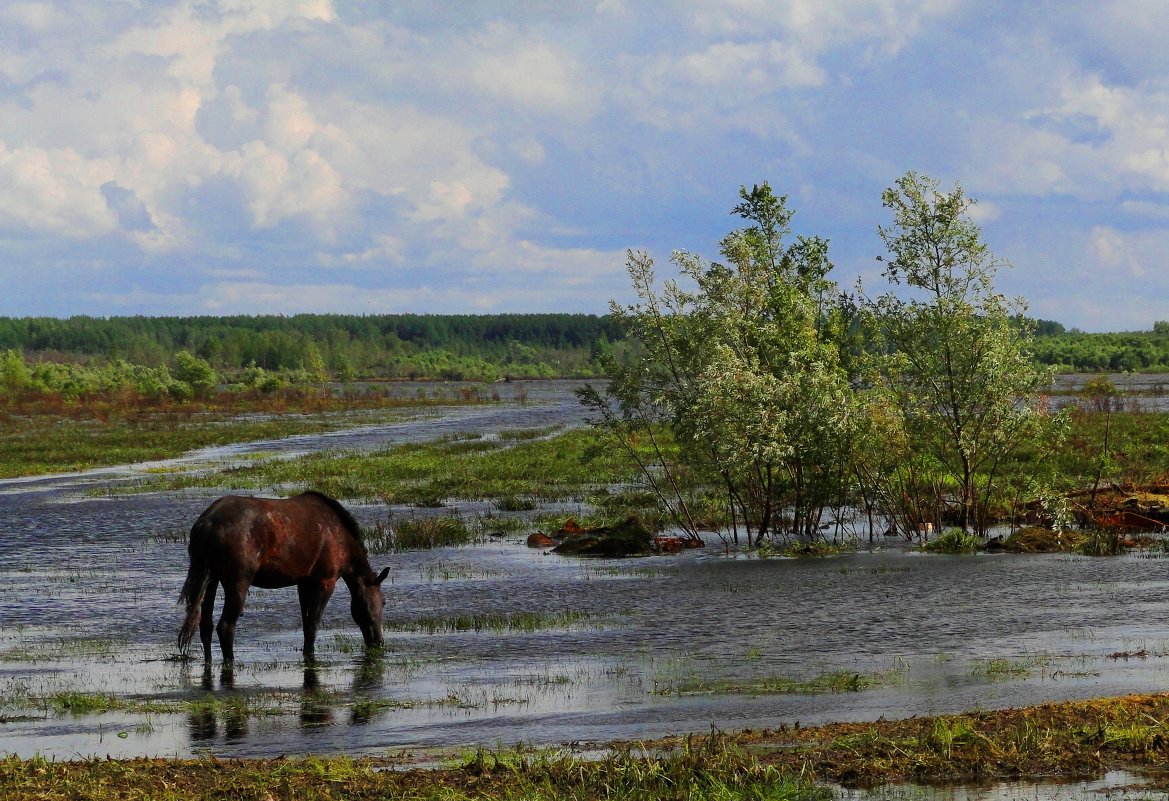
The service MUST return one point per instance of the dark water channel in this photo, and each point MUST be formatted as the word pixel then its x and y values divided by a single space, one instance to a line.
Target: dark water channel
pixel 88 589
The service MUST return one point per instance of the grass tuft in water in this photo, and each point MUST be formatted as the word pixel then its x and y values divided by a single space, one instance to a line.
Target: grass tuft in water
pixel 419 533
pixel 515 503
pixel 953 540
pixel 836 681
pixel 501 622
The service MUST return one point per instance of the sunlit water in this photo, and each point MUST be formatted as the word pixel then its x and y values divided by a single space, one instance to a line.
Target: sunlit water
pixel 88 590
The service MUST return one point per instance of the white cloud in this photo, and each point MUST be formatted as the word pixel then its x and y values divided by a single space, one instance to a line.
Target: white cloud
pixel 1139 208
pixel 1134 254
pixel 384 250
pixel 531 72
pixel 984 212
pixel 500 157
pixel 56 191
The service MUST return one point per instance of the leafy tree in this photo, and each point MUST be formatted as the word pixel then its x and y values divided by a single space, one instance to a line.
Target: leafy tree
pixel 742 372
pixel 314 363
pixel 14 373
pixel 957 369
pixel 195 373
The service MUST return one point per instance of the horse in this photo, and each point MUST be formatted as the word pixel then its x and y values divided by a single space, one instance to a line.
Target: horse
pixel 308 541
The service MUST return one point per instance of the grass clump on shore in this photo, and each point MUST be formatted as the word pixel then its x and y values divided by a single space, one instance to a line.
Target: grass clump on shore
pixel 700 769
pixel 1069 740
pixel 1072 739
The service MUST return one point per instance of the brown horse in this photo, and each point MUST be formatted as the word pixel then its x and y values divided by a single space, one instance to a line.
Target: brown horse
pixel 309 541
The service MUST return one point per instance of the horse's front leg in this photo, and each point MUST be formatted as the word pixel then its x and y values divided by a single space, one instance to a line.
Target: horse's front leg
pixel 313 597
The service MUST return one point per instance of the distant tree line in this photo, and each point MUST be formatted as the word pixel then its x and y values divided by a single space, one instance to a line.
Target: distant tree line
pixel 327 346
pixel 336 347
pixel 1076 351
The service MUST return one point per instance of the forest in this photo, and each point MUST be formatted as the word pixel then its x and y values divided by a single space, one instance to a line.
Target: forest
pixel 438 346
pixel 327 346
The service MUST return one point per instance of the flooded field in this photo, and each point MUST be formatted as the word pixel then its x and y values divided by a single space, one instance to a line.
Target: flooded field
pixel 499 643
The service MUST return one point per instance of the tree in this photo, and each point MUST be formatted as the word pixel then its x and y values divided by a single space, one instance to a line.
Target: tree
pixel 196 373
pixel 957 368
pixel 14 373
pixel 743 373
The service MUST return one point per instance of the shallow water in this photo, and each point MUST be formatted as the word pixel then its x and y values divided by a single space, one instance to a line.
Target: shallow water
pixel 88 590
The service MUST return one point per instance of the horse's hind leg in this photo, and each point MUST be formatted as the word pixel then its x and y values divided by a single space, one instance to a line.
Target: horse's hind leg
pixel 206 618
pixel 233 607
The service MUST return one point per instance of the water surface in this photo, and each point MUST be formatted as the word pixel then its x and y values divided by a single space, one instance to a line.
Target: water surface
pixel 88 589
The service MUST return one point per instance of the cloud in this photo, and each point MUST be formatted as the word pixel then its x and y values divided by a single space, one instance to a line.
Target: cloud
pixel 496 157
pixel 54 191
pixel 130 210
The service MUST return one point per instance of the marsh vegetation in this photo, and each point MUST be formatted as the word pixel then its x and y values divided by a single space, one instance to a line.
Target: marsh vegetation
pixel 487 640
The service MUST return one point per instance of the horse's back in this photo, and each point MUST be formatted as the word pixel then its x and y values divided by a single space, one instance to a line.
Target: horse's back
pixel 230 516
pixel 274 542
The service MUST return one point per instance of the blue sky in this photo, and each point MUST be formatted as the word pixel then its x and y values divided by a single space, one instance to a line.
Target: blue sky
pixel 283 156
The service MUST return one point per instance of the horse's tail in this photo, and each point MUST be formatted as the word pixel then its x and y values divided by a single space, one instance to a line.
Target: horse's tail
pixel 194 588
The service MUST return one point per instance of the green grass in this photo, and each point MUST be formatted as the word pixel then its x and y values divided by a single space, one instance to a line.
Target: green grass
pixel 953 540
pixel 55 443
pixel 835 681
pixel 419 533
pixel 1045 665
pixel 63 648
pixel 448 571
pixel 567 465
pixel 698 769
pixel 500 622
pixel 515 503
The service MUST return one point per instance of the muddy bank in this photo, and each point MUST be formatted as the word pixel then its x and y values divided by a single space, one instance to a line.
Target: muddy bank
pixel 1081 739
pixel 1049 742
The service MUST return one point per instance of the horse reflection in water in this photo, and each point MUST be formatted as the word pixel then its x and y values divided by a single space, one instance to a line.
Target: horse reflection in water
pixel 308 541
pixel 232 707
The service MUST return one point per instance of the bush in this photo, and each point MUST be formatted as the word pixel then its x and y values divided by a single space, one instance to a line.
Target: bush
pixel 953 540
pixel 195 373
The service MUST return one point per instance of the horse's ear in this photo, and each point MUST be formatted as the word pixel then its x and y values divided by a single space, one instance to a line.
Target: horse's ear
pixel 382 576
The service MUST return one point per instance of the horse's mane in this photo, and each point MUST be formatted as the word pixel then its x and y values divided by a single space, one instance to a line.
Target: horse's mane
pixel 347 519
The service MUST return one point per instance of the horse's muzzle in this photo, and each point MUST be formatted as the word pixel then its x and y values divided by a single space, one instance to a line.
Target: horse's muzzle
pixel 372 635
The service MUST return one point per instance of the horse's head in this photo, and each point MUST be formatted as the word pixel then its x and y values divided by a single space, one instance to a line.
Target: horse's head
pixel 367 605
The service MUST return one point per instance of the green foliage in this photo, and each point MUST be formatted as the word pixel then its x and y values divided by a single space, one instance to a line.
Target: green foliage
pixel 14 373
pixel 744 372
pixel 953 540
pixel 1113 352
pixel 196 373
pixel 478 347
pixel 960 389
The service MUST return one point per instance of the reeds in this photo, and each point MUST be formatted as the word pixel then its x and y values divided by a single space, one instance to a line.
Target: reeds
pixel 419 533
pixel 500 622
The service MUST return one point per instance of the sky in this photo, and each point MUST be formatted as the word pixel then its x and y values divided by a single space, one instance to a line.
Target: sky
pixel 199 157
